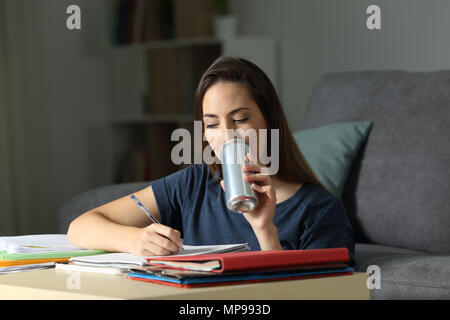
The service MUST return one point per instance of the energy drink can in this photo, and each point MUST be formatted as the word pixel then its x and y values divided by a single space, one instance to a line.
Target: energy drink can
pixel 239 194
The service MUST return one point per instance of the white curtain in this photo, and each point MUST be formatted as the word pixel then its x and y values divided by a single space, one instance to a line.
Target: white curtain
pixel 7 168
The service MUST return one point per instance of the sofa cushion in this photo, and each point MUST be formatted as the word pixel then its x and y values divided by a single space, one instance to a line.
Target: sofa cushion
pixel 93 198
pixel 405 274
pixel 366 254
pixel 330 151
pixel 397 190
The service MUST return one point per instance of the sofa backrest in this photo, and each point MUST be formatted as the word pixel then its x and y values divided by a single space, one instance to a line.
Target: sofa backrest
pixel 398 190
pixel 93 198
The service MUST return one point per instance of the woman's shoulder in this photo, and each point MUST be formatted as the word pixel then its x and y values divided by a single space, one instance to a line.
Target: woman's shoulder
pixel 189 170
pixel 194 169
pixel 316 196
pixel 191 174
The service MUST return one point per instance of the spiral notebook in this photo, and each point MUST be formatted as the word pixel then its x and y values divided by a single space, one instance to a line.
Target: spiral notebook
pixel 126 260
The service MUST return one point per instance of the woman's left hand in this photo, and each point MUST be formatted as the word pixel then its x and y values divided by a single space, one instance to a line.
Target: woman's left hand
pixel 261 217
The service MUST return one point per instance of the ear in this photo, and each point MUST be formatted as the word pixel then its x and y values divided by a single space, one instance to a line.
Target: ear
pixel 222 184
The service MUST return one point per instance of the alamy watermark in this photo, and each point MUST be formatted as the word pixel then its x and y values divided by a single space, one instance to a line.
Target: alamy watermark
pixel 73 21
pixel 73 282
pixel 373 22
pixel 374 279
pixel 257 141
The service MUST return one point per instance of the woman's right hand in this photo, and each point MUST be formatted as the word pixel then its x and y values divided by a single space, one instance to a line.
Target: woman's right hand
pixel 156 240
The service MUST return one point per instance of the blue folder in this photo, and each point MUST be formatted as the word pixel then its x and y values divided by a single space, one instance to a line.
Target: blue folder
pixel 190 280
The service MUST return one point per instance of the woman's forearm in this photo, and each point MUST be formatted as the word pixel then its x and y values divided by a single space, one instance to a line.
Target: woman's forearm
pixel 268 238
pixel 93 230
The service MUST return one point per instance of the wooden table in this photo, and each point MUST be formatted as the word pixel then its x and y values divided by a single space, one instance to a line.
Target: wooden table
pixel 59 284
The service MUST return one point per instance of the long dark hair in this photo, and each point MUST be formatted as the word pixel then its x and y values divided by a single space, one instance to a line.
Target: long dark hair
pixel 292 165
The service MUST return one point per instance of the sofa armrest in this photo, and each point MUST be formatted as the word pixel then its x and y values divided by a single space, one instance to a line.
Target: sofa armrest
pixel 93 198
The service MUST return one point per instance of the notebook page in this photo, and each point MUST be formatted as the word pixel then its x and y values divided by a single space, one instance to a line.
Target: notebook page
pixel 115 259
pixel 195 250
pixel 37 243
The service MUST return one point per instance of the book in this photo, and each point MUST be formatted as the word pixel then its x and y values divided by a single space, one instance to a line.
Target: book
pixel 35 252
pixel 11 263
pixel 28 267
pixel 243 267
pixel 37 243
pixel 255 260
pixel 41 246
pixel 198 279
pixel 164 81
pixel 95 269
pixel 153 24
pixel 127 260
pixel 193 18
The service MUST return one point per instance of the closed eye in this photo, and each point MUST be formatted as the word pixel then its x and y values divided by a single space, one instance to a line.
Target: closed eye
pixel 237 121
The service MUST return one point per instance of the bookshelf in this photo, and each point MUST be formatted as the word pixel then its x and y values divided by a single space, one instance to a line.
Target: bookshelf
pixel 158 51
pixel 152 75
pixel 152 87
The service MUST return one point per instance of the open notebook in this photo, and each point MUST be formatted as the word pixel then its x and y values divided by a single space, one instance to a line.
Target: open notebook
pixel 126 260
pixel 38 243
pixel 15 250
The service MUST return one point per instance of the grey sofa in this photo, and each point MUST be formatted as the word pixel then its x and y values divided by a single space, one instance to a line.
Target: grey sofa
pixel 398 192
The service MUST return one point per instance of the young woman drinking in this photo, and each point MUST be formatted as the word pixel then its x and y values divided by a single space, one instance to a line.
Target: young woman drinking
pixel 294 210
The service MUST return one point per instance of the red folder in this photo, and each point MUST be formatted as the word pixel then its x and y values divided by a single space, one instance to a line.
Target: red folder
pixel 265 260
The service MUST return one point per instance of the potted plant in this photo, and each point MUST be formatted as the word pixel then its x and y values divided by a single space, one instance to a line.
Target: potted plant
pixel 225 23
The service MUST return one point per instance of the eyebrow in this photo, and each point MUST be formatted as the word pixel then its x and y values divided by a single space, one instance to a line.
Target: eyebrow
pixel 230 113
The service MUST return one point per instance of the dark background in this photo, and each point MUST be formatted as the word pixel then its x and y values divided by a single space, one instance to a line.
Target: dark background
pixel 85 108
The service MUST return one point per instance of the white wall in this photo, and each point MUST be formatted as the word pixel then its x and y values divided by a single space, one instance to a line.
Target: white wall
pixel 58 90
pixel 320 36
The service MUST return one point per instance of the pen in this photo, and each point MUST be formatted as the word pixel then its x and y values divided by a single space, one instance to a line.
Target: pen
pixel 147 212
pixel 144 208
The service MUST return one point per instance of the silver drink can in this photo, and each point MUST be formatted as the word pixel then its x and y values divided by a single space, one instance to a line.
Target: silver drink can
pixel 239 194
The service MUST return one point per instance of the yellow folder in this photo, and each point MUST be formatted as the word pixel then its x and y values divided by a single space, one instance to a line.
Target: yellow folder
pixel 9 263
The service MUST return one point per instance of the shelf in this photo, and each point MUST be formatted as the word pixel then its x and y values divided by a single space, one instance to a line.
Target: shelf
pixel 163 44
pixel 124 120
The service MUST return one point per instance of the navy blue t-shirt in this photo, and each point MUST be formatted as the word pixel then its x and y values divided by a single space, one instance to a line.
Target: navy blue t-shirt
pixel 192 201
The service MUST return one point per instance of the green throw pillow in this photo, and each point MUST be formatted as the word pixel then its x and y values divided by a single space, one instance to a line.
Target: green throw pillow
pixel 331 149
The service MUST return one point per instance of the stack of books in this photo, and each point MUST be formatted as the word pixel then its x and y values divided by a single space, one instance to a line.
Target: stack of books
pixel 243 267
pixel 120 262
pixel 35 252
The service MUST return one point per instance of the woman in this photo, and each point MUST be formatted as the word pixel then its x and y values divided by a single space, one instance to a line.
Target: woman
pixel 294 210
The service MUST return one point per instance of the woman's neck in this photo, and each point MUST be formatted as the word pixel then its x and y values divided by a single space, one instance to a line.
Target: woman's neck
pixel 284 190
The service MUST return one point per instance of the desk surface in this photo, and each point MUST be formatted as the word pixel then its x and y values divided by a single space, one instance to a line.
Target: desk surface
pixel 59 284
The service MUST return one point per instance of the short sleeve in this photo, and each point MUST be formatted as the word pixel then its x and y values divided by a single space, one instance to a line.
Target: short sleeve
pixel 170 195
pixel 327 226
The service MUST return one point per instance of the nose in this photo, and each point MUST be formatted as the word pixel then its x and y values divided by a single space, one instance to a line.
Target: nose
pixel 228 131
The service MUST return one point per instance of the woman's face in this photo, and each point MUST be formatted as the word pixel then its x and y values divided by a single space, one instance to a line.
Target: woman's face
pixel 228 105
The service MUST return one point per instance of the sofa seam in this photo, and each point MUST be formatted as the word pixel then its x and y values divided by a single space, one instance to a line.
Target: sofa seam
pixel 435 154
pixel 423 285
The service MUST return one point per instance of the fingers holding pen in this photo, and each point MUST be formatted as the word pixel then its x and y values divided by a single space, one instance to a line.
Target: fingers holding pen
pixel 163 246
pixel 158 239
